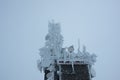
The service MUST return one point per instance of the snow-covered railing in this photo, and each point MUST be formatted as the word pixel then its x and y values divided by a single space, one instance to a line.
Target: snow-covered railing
pixel 78 60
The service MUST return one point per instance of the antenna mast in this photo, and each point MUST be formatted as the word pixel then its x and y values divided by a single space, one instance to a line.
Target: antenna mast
pixel 78 45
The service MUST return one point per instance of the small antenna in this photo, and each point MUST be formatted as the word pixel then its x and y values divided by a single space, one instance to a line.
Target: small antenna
pixel 78 45
pixel 84 48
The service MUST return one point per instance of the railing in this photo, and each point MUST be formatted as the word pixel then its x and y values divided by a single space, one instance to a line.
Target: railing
pixel 75 61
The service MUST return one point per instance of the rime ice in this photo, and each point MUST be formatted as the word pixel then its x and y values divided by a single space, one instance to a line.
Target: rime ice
pixel 59 63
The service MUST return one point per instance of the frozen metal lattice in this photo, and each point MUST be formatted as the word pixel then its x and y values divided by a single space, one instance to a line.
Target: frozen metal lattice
pixel 53 51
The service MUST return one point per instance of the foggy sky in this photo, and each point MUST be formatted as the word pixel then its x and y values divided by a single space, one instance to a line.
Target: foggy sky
pixel 24 24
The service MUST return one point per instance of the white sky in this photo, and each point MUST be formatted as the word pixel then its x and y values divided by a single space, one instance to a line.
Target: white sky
pixel 24 24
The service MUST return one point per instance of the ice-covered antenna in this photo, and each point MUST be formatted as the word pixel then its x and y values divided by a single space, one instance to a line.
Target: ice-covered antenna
pixel 84 48
pixel 78 45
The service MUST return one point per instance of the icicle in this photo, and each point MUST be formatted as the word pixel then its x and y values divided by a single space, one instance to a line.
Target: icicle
pixel 72 60
pixel 93 73
pixel 73 67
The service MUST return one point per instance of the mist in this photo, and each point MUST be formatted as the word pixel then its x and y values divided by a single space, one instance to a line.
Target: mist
pixel 24 25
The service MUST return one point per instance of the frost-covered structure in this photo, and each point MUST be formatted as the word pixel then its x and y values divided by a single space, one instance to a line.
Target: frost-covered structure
pixel 60 63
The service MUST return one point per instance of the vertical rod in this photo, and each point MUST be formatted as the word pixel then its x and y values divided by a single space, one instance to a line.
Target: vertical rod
pixel 89 71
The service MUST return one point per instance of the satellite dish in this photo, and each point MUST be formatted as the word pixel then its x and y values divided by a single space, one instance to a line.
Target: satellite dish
pixel 71 49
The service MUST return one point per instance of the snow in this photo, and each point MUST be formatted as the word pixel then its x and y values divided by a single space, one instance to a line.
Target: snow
pixel 93 73
pixel 53 50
